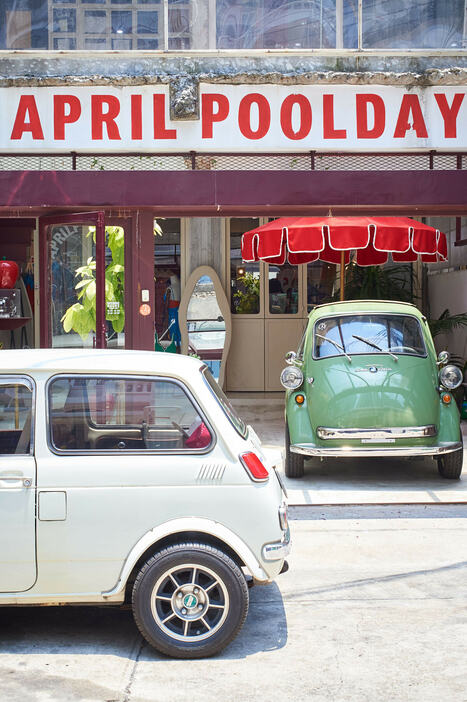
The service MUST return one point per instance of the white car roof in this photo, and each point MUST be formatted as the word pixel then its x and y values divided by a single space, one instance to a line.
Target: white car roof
pixel 97 361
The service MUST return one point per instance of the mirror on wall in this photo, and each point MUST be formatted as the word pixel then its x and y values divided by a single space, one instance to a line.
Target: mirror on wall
pixel 206 333
pixel 206 325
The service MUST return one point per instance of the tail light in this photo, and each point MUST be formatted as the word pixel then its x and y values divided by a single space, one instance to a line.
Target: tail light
pixel 254 467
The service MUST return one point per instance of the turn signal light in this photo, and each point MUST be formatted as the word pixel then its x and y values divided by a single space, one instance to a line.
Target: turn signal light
pixel 446 398
pixel 299 399
pixel 254 467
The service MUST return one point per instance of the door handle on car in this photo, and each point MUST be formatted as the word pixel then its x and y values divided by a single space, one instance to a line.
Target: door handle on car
pixel 27 482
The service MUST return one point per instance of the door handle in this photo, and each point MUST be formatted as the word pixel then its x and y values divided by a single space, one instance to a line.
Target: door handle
pixel 27 482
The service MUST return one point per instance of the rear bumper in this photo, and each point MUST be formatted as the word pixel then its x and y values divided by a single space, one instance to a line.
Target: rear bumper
pixel 375 451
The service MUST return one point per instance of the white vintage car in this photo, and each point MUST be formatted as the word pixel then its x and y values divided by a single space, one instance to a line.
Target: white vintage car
pixel 126 476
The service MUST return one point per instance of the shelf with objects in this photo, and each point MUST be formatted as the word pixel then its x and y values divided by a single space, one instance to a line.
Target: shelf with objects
pixel 17 282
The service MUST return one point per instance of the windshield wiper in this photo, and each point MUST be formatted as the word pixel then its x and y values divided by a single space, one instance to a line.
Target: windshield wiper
pixel 334 343
pixel 375 346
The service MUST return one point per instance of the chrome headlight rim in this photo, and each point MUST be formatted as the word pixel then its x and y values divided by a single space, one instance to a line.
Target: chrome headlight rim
pixel 448 370
pixel 291 378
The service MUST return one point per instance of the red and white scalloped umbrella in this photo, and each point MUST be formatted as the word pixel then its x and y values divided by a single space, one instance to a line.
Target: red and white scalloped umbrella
pixel 331 239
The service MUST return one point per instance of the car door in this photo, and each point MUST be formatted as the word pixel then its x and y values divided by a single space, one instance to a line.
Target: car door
pixel 17 485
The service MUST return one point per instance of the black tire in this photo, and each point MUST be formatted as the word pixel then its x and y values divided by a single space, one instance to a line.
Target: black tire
pixel 450 465
pixel 294 462
pixel 182 593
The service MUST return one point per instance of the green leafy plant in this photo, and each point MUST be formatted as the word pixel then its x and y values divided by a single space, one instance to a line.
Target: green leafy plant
pixel 246 300
pixel 378 283
pixel 447 323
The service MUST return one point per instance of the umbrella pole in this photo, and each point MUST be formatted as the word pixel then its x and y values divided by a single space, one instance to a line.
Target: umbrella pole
pixel 342 297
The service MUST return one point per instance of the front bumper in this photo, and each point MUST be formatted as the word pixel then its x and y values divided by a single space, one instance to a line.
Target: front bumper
pixel 375 451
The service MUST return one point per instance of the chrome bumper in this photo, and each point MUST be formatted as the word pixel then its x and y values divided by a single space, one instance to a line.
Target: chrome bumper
pixel 278 549
pixel 374 451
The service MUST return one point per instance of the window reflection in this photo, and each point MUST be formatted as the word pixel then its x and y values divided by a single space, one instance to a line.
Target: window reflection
pixel 233 24
pixel 283 289
pixel 321 278
pixel 244 277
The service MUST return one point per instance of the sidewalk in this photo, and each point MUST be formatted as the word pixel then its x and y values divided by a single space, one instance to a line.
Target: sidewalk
pixel 348 481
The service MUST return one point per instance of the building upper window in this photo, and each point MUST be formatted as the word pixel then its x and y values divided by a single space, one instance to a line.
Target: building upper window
pixel 231 24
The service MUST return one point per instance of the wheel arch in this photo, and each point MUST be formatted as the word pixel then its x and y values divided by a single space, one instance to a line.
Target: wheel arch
pixel 185 530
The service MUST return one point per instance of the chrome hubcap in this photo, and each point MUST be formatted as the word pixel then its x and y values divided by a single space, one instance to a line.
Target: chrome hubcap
pixel 189 602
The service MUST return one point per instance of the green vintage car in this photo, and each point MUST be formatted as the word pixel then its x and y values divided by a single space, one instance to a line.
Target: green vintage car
pixel 366 382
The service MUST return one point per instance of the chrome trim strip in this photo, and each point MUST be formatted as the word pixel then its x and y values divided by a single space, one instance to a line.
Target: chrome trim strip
pixel 362 452
pixel 329 433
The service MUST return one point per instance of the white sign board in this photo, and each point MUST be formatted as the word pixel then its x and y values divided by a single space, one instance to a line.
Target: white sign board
pixel 233 118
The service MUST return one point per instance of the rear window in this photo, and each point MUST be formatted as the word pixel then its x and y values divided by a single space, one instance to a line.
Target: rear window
pixel 229 411
pixel 368 334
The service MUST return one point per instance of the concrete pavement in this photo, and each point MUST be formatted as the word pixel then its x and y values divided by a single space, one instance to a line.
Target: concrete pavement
pixel 374 607
pixel 349 481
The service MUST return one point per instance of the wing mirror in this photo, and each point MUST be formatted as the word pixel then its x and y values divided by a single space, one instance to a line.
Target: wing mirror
pixel 290 357
pixel 443 358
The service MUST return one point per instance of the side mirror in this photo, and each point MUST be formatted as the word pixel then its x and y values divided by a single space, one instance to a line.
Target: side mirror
pixel 443 358
pixel 290 357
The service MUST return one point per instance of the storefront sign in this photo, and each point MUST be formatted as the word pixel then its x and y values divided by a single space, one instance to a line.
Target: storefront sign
pixel 234 118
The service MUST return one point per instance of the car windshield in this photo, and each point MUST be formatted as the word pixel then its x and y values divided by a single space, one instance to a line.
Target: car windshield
pixel 393 334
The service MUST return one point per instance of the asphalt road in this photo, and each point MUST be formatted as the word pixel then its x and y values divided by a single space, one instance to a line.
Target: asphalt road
pixel 372 608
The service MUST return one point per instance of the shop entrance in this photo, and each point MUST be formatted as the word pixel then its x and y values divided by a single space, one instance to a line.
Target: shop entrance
pixel 83 296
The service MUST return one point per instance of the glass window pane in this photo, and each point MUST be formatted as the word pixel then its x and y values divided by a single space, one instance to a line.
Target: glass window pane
pixel 167 291
pixel 15 417
pixel 64 20
pixel 281 24
pixel 148 22
pixel 283 289
pixel 121 22
pixel 419 24
pixel 361 334
pixel 244 277
pixel 95 22
pixel 148 44
pixel 124 414
pixel 321 278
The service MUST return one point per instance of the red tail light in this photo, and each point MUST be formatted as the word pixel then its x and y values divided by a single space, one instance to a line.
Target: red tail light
pixel 254 467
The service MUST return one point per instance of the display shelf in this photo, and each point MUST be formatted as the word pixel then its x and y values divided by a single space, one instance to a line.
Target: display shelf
pixel 10 323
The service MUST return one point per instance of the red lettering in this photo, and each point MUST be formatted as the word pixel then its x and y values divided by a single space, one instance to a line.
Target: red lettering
pixel 379 114
pixel 208 116
pixel 305 116
pixel 449 114
pixel 160 130
pixel 99 117
pixel 61 116
pixel 244 116
pixel 27 106
pixel 136 117
pixel 329 132
pixel 410 104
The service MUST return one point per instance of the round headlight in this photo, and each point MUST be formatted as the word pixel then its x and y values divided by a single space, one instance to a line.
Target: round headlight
pixel 450 377
pixel 291 378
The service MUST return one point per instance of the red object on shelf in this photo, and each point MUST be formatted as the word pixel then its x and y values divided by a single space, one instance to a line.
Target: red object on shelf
pixel 9 272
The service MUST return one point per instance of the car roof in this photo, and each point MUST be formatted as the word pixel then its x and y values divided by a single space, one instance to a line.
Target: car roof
pixel 97 361
pixel 362 306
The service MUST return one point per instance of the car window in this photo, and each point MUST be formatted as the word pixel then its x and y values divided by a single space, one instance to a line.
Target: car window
pixel 224 403
pixel 16 395
pixel 368 334
pixel 124 414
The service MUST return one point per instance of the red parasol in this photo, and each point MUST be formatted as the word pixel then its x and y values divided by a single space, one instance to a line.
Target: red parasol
pixel 330 239
pixel 307 239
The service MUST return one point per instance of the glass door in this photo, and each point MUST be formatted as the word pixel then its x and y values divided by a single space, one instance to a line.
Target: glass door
pixel 72 258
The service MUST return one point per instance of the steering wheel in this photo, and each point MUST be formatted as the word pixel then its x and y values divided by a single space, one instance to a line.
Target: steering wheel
pixel 180 429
